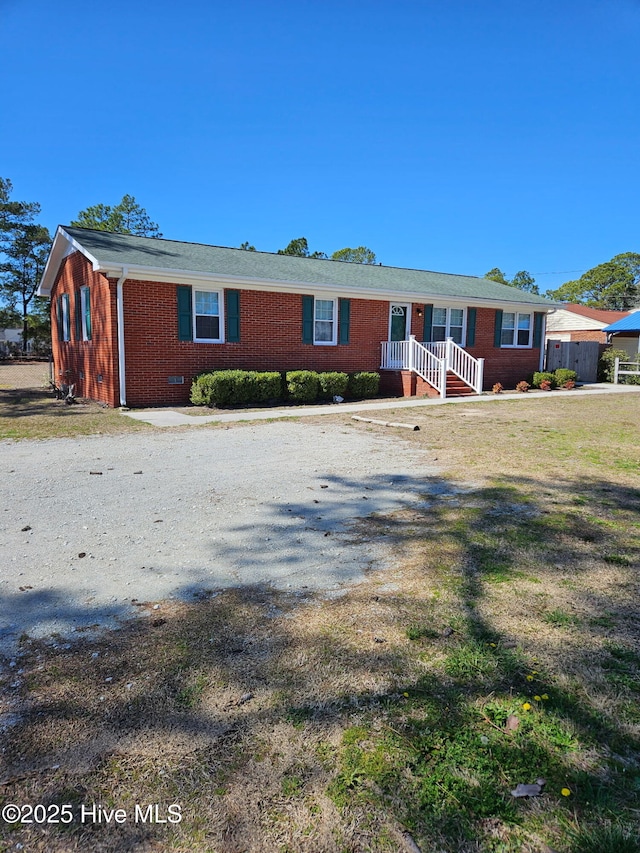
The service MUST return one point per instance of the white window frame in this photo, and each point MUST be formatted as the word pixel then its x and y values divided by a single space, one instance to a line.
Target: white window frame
pixel 201 289
pixel 85 298
pixel 449 309
pixel 334 322
pixel 516 320
pixel 66 316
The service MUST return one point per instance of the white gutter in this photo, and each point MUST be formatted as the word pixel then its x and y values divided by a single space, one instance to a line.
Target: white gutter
pixel 120 311
pixel 331 289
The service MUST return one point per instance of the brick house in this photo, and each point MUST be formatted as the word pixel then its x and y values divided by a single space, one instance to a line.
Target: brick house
pixel 134 319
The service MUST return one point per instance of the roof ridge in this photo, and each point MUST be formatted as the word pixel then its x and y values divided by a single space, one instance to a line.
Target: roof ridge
pixel 273 254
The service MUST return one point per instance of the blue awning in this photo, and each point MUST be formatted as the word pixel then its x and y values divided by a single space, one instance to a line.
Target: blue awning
pixel 631 323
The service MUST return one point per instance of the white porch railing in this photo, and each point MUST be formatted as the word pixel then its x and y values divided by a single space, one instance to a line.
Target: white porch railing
pixel 431 361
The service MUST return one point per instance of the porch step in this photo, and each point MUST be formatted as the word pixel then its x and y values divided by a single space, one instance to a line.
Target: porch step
pixel 456 387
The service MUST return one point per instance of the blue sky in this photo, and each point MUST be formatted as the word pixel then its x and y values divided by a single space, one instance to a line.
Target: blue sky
pixel 454 135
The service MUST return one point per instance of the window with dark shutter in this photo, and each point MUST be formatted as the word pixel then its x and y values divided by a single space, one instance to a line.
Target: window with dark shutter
pixel 497 331
pixel 344 320
pixel 185 325
pixel 538 320
pixel 471 326
pixel 233 315
pixel 427 325
pixel 307 319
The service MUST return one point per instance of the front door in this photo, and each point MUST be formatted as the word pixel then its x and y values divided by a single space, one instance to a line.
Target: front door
pixel 398 322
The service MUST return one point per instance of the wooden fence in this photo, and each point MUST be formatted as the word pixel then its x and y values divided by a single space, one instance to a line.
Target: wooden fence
pixel 581 356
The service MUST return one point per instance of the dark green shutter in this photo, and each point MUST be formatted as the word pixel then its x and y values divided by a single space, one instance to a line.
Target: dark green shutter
pixel 471 326
pixel 185 323
pixel 497 334
pixel 78 313
pixel 537 329
pixel 344 315
pixel 233 315
pixel 87 313
pixel 427 325
pixel 307 319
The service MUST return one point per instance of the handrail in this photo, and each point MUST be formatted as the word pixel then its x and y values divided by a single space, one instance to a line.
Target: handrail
pixel 433 360
pixel 412 355
pixel 464 365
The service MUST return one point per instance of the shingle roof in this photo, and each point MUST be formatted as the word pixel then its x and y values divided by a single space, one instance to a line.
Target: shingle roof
pixel 166 255
pixel 599 314
pixel 631 323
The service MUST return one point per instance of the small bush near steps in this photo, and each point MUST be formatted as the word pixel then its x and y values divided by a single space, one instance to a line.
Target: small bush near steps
pixel 363 385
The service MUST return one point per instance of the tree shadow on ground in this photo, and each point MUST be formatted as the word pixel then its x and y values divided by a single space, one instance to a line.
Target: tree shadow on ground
pixel 292 722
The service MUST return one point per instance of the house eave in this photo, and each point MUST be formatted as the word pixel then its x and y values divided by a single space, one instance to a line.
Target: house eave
pixel 189 277
pixel 63 246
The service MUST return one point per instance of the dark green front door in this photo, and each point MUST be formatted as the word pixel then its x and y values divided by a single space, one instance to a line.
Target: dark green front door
pixel 398 330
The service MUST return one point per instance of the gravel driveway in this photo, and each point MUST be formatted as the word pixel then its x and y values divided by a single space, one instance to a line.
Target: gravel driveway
pixel 88 525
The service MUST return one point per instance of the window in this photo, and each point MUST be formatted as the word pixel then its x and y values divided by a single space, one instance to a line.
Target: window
pixel 447 323
pixel 207 312
pixel 64 318
pixel 516 330
pixel 85 309
pixel 324 321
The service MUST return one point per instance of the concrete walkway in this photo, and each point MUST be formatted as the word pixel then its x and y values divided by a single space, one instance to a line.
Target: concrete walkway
pixel 169 418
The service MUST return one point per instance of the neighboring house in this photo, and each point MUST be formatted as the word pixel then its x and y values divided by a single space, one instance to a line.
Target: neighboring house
pixel 134 319
pixel 625 333
pixel 575 322
pixel 11 342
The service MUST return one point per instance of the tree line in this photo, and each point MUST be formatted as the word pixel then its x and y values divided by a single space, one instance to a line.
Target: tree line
pixel 614 285
pixel 25 245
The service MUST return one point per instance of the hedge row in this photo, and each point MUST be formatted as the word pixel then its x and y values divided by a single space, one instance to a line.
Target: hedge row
pixel 240 387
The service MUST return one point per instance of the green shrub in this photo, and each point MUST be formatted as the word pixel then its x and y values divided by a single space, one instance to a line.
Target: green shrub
pixel 543 377
pixel 201 389
pixel 303 385
pixel 235 387
pixel 268 386
pixel 333 384
pixel 212 389
pixel 563 374
pixel 607 361
pixel 607 366
pixel 362 385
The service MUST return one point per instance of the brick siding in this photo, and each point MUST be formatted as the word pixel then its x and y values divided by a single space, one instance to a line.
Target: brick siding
pixel 592 335
pixel 82 362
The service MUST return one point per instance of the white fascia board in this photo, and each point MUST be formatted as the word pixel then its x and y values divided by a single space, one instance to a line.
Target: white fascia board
pixel 333 291
pixel 63 246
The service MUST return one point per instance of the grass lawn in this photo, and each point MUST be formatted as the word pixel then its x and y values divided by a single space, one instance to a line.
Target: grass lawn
pixel 502 648
pixel 34 413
